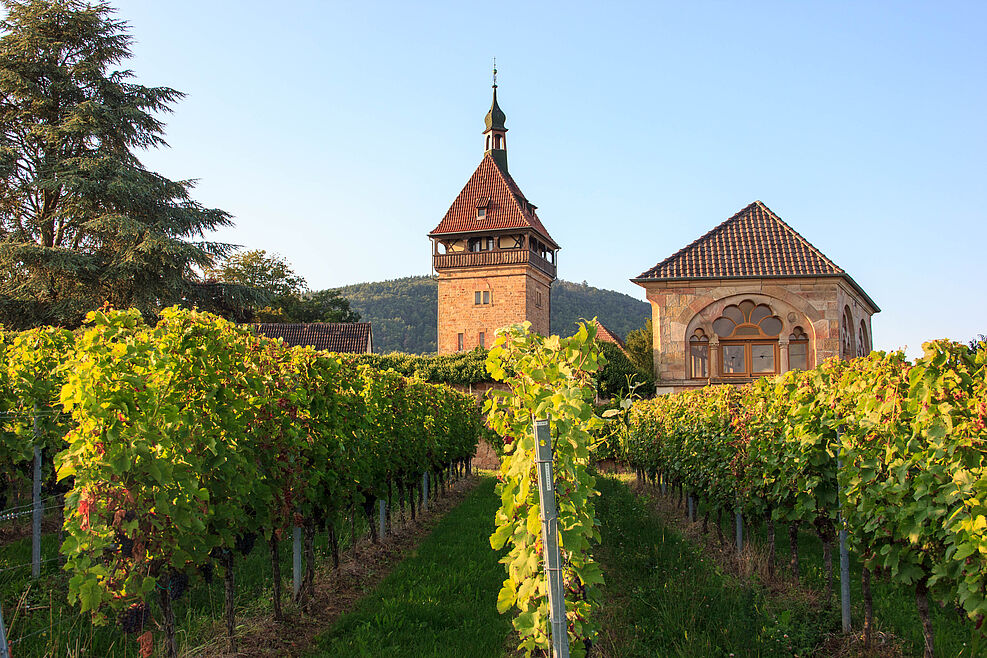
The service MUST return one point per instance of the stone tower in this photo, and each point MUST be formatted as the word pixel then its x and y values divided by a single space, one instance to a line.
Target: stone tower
pixel 495 260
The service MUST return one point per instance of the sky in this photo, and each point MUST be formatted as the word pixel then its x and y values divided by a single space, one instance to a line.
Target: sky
pixel 338 134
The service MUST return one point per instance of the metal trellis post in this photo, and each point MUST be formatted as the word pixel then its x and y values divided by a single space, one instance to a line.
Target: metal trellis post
pixel 382 517
pixel 739 524
pixel 424 490
pixel 844 551
pixel 4 648
pixel 296 560
pixel 550 539
pixel 36 530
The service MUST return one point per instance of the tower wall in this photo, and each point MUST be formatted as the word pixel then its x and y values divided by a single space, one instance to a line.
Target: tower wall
pixel 515 293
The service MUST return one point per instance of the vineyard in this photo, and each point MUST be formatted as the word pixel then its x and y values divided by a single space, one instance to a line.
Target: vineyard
pixel 890 451
pixel 179 446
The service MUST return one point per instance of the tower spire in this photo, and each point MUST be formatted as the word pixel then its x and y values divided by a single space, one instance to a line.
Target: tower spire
pixel 495 134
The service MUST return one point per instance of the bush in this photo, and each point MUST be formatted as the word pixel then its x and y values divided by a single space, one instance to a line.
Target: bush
pixel 612 378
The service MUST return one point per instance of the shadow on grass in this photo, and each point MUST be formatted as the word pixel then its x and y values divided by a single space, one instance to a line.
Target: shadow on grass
pixel 439 601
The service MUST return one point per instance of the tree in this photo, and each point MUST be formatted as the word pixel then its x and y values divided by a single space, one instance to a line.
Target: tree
pixel 325 306
pixel 640 347
pixel 82 222
pixel 282 295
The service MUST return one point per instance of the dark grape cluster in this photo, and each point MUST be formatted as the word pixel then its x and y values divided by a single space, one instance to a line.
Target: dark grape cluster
pixel 133 619
pixel 319 516
pixel 207 570
pixel 245 543
pixel 178 584
pixel 126 545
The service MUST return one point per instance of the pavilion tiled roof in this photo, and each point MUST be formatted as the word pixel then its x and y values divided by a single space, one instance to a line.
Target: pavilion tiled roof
pixel 506 206
pixel 604 334
pixel 350 337
pixel 753 243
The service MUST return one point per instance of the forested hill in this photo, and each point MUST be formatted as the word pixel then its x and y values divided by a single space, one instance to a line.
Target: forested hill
pixel 403 311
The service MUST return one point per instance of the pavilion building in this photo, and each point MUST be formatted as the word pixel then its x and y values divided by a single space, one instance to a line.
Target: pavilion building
pixel 751 298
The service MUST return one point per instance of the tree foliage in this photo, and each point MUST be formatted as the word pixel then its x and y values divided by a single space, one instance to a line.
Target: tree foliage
pixel 81 220
pixel 281 295
pixel 573 302
pixel 640 347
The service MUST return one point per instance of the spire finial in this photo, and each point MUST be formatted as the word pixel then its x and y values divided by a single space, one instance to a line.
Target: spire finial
pixel 494 72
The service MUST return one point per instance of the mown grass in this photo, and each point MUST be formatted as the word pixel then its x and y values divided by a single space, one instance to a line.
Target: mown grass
pixel 439 601
pixel 664 598
pixel 41 622
pixel 810 625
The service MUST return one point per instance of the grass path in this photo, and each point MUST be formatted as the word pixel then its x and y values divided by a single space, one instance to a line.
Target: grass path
pixel 663 598
pixel 439 601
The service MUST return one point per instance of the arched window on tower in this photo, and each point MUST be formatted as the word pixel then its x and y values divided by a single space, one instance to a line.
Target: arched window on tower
pixel 499 142
pixel 748 339
pixel 847 349
pixel 863 345
pixel 798 349
pixel 699 354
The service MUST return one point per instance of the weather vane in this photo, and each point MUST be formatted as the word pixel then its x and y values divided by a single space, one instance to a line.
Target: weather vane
pixel 495 71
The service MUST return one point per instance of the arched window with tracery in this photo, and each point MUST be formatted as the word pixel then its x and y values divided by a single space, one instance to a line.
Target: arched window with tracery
pixel 847 348
pixel 798 349
pixel 699 354
pixel 748 335
pixel 863 345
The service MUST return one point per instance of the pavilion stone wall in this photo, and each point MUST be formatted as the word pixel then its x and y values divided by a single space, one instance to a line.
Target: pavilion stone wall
pixel 815 304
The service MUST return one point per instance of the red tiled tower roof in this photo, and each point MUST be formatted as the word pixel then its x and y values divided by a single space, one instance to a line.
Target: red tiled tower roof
pixel 492 188
pixel 754 243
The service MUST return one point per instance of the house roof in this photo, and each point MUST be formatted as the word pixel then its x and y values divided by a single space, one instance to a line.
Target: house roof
pixel 491 187
pixel 754 243
pixel 351 337
pixel 604 334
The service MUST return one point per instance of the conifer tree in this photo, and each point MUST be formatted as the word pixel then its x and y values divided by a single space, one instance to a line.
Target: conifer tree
pixel 82 222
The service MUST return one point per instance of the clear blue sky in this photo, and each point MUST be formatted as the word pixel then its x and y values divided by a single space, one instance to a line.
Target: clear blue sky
pixel 339 133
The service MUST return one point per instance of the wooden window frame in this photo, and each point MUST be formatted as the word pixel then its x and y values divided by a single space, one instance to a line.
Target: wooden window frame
pixel 748 361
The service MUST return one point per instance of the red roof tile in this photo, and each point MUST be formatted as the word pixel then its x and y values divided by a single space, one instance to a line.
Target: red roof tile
pixel 753 243
pixel 604 334
pixel 350 337
pixel 506 206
